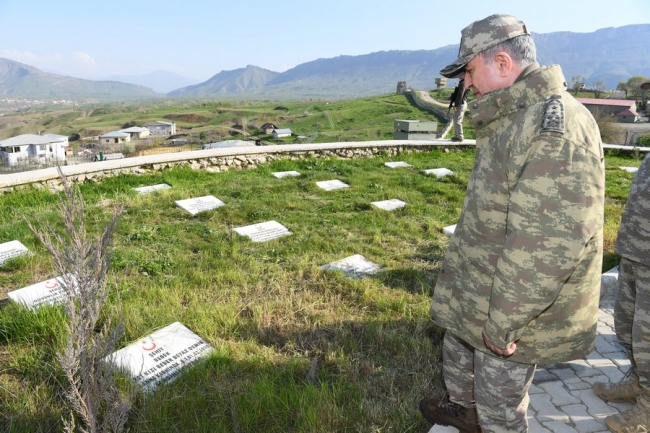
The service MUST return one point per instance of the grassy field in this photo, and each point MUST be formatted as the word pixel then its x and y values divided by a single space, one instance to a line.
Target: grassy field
pixel 297 349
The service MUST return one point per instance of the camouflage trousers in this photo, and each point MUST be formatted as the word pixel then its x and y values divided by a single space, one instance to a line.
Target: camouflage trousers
pixel 632 317
pixel 459 114
pixel 497 387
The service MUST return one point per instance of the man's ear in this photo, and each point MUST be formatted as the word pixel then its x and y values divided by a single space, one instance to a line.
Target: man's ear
pixel 504 63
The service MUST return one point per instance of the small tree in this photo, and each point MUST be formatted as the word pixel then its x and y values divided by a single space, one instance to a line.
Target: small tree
pixel 83 261
pixel 577 83
pixel 598 87
pixel 610 131
pixel 622 86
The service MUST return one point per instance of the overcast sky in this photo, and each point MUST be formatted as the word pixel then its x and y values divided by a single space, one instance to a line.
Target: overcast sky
pixel 95 39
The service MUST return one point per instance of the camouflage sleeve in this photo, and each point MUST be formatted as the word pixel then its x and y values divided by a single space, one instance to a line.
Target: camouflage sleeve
pixel 555 208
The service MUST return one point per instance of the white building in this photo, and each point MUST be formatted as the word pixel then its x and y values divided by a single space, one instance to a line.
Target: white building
pixel 32 147
pixel 115 137
pixel 161 128
pixel 137 132
pixel 278 133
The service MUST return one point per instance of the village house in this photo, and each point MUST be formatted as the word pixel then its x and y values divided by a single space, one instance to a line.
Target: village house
pixel 279 133
pixel 137 132
pixel 608 107
pixel 268 128
pixel 33 147
pixel 161 128
pixel 114 137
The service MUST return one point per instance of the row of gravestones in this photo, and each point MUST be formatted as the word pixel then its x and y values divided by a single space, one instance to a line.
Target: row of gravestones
pixel 160 356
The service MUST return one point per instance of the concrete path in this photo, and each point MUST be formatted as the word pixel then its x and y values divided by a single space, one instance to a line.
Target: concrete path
pixel 561 399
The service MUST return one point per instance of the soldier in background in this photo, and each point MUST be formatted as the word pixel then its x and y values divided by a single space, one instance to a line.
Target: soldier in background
pixel 520 282
pixel 458 102
pixel 632 310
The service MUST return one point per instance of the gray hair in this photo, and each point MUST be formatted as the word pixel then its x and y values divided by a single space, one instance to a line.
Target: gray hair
pixel 520 48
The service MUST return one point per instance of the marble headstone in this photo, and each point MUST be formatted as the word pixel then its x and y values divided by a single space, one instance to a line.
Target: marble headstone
pixel 439 172
pixel 330 185
pixel 449 230
pixel 160 357
pixel 48 292
pixel 397 164
pixel 391 204
pixel 281 174
pixel 152 188
pixel 199 204
pixel 11 250
pixel 355 266
pixel 263 232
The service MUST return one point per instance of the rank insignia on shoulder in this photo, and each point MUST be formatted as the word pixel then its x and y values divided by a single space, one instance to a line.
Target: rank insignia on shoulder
pixel 553 120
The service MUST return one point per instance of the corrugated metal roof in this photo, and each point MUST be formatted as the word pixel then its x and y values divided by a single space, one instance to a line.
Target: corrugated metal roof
pixel 614 102
pixel 26 139
pixel 134 129
pixel 115 134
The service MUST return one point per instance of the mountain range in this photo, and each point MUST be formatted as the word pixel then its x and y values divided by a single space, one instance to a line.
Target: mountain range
pixel 610 55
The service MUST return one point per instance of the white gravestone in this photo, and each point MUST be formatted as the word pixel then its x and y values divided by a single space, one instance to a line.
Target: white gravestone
pixel 152 188
pixel 391 204
pixel 630 169
pixel 397 164
pixel 329 185
pixel 356 266
pixel 11 250
pixel 281 174
pixel 445 429
pixel 439 172
pixel 48 292
pixel 262 232
pixel 199 204
pixel 449 230
pixel 160 357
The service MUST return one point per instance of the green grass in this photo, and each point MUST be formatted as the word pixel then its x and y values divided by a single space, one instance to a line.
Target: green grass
pixel 267 308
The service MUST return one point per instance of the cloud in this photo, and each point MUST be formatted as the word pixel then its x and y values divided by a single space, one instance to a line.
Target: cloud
pixel 83 58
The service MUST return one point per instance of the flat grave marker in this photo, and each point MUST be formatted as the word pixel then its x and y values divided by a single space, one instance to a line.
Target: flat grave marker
pixel 199 204
pixel 439 172
pixel 397 164
pixel 389 205
pixel 630 169
pixel 160 357
pixel 356 266
pixel 330 185
pixel 263 232
pixel 283 174
pixel 449 230
pixel 47 292
pixel 11 250
pixel 151 188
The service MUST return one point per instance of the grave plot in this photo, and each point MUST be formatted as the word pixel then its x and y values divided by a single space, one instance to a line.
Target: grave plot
pixel 11 250
pixel 330 185
pixel 283 174
pixel 397 164
pixel 263 232
pixel 439 172
pixel 199 204
pixel 449 230
pixel 152 188
pixel 389 205
pixel 630 169
pixel 48 292
pixel 355 266
pixel 160 357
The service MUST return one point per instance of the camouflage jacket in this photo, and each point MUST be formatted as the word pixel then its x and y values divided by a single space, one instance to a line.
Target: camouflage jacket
pixel 633 241
pixel 524 263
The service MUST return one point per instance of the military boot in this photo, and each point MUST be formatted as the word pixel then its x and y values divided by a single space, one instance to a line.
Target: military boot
pixel 447 413
pixel 635 420
pixel 627 389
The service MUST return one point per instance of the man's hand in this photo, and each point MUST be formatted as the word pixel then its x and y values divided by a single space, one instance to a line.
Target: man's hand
pixel 503 352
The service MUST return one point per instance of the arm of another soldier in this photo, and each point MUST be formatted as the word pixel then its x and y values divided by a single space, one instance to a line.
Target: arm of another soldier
pixel 555 208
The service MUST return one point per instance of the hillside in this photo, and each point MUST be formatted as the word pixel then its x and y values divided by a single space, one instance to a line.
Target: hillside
pixel 22 81
pixel 611 55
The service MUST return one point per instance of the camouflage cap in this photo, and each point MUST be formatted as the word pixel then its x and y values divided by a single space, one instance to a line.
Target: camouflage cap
pixel 483 34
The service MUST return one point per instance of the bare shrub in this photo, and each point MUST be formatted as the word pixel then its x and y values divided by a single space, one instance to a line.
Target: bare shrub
pixel 610 131
pixel 83 260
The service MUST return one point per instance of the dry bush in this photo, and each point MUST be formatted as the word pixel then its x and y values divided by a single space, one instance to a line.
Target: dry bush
pixel 98 403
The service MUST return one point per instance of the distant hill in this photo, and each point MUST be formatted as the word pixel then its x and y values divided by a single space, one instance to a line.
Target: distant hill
pixel 611 55
pixel 21 81
pixel 245 80
pixel 159 81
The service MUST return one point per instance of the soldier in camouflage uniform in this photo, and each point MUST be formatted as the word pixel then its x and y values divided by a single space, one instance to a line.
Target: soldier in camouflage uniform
pixel 632 310
pixel 520 282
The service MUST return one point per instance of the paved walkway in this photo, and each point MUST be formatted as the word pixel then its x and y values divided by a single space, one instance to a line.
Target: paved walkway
pixel 561 399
